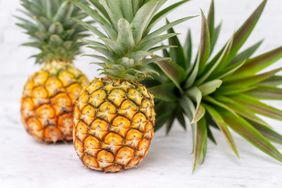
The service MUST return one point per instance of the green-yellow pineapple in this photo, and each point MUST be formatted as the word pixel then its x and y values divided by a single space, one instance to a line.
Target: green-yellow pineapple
pixel 49 94
pixel 114 116
pixel 224 91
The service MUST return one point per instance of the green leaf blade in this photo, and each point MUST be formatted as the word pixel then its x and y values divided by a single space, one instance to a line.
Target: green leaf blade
pixel 200 146
pixel 223 127
pixel 246 130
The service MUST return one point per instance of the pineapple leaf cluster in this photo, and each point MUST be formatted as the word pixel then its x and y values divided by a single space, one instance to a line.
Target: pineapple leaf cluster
pixel 52 30
pixel 126 41
pixel 222 91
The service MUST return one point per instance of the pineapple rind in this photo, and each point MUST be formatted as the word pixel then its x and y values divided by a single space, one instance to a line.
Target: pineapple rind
pixel 48 101
pixel 114 122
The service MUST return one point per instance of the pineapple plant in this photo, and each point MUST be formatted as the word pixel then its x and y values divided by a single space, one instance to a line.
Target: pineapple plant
pixel 222 91
pixel 48 98
pixel 114 115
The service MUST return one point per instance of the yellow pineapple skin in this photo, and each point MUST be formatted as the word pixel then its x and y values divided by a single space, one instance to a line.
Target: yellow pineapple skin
pixel 48 100
pixel 113 124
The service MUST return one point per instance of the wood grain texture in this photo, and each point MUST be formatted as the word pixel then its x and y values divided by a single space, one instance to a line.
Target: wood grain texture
pixel 26 163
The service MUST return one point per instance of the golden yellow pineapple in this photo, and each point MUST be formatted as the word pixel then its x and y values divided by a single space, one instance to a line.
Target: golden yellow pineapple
pixel 114 115
pixel 113 124
pixel 49 95
pixel 48 101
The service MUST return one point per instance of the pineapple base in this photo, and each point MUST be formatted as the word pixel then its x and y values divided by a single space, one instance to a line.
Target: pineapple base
pixel 48 101
pixel 114 124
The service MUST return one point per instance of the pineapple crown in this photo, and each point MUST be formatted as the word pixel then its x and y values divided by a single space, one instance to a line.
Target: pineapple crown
pixel 127 44
pixel 52 30
pixel 222 91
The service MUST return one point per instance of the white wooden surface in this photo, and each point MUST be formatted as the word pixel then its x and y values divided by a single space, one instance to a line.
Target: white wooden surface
pixel 26 163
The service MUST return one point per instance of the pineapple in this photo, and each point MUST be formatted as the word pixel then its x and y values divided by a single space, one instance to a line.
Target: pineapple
pixel 48 98
pixel 221 92
pixel 114 115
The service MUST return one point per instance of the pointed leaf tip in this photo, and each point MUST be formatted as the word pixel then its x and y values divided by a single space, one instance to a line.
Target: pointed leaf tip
pixel 246 29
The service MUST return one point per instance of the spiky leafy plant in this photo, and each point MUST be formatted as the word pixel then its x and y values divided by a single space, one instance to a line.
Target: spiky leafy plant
pixel 115 115
pixel 222 91
pixel 49 94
